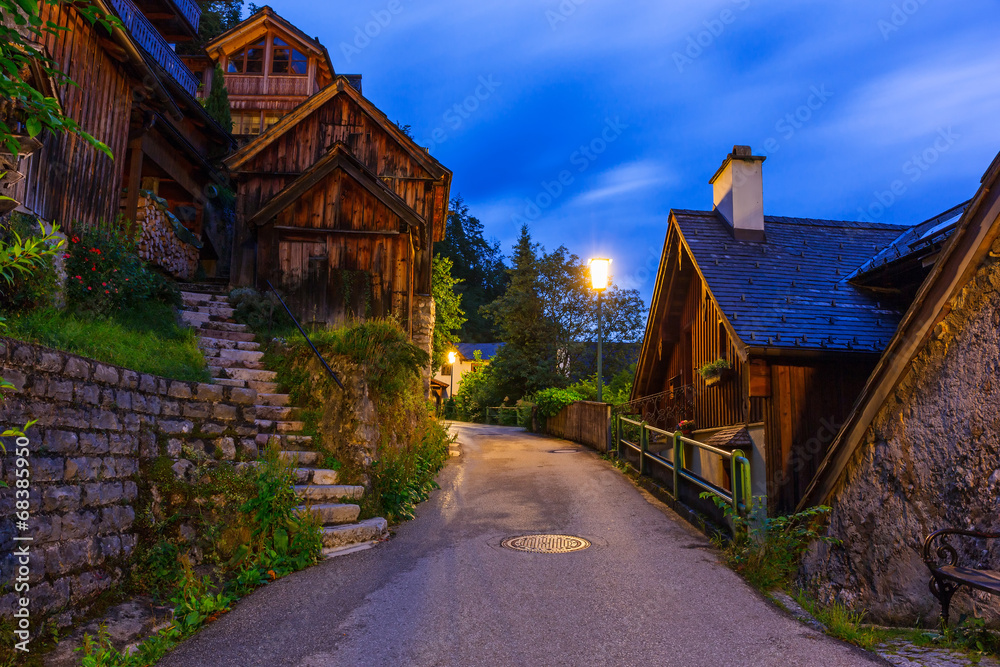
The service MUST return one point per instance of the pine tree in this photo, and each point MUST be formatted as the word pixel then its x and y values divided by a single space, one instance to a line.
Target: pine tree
pixel 217 104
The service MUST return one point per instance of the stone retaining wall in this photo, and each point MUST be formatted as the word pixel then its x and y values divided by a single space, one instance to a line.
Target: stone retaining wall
pixel 96 423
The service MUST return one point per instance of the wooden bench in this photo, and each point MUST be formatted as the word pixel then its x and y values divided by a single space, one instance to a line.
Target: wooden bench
pixel 947 576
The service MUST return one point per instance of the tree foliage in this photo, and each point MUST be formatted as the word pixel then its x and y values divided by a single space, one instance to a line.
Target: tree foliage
pixel 478 265
pixel 547 319
pixel 448 314
pixel 217 16
pixel 23 108
pixel 217 103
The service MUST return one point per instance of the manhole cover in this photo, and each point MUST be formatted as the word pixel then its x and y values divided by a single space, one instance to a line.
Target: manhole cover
pixel 546 544
pixel 563 451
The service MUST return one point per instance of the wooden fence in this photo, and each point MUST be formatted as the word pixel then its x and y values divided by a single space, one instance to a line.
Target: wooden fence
pixel 583 422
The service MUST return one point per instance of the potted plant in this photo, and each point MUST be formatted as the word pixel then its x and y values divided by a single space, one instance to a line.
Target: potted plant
pixel 716 372
pixel 686 427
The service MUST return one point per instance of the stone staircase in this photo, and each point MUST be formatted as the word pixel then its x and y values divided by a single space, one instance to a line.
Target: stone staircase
pixel 234 359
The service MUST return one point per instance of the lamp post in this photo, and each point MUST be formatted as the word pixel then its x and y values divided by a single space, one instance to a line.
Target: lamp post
pixel 600 270
pixel 452 358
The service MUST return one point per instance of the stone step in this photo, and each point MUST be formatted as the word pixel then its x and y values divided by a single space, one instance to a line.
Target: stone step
pixel 319 476
pixel 263 387
pixel 233 355
pixel 271 426
pixel 298 458
pixel 226 382
pixel 231 364
pixel 274 412
pixel 219 334
pixel 331 514
pixel 194 318
pixel 222 344
pixel 214 325
pixel 197 299
pixel 355 533
pixel 242 374
pixel 329 491
pixel 221 289
pixel 275 400
pixel 289 442
pixel 216 310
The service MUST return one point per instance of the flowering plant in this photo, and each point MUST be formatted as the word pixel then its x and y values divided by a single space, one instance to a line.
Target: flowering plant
pixel 106 275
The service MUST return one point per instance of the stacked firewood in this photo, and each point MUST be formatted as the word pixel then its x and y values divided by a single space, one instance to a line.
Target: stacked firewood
pixel 159 243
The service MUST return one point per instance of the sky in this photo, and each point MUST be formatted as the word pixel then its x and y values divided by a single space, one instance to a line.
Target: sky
pixel 590 119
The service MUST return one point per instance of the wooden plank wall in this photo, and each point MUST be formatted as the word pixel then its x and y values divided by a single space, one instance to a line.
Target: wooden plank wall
pixel 584 422
pixel 68 181
pixel 808 403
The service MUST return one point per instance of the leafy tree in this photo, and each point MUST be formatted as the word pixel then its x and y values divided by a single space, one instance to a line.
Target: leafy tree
pixel 448 315
pixel 217 104
pixel 478 264
pixel 548 319
pixel 23 108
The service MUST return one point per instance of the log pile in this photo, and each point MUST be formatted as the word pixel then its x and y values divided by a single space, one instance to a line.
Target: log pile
pixel 159 243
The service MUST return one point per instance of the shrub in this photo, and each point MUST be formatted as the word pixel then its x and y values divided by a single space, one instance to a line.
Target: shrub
pixel 765 550
pixel 259 311
pixel 551 402
pixel 105 275
pixel 34 288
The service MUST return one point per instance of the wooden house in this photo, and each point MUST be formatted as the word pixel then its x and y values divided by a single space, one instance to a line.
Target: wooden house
pixel 270 67
pixel 339 209
pixel 134 94
pixel 792 314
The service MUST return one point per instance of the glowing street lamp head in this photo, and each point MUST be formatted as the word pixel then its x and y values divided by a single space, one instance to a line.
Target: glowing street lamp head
pixel 600 273
pixel 452 358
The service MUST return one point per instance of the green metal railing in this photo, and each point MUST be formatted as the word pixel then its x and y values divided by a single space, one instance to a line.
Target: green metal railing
pixel 624 428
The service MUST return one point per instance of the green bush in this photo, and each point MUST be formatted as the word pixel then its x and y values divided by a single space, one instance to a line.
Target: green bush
pixel 765 550
pixel 403 477
pixel 29 289
pixel 259 311
pixel 105 275
pixel 551 402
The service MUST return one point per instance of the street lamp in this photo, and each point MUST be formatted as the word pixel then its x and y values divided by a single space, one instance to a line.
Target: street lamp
pixel 600 270
pixel 452 358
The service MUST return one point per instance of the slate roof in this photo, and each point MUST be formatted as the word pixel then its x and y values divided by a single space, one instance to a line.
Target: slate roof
pixel 733 437
pixel 791 291
pixel 920 239
pixel 468 350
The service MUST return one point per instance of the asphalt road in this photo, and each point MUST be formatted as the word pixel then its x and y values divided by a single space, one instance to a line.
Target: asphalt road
pixel 442 591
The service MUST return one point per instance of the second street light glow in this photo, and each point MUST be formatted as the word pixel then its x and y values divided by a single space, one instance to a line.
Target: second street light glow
pixel 600 273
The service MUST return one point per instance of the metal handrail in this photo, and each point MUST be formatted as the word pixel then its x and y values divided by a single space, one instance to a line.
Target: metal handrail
pixel 306 336
pixel 153 43
pixel 739 463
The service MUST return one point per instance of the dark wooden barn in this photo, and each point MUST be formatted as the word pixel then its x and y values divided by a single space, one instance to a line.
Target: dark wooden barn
pixel 340 210
pixel 790 305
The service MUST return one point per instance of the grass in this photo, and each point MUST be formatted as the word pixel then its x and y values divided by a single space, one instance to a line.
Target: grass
pixel 842 622
pixel 147 340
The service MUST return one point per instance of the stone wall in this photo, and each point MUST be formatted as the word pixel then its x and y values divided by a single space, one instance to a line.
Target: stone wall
pixel 930 460
pixel 97 424
pixel 423 332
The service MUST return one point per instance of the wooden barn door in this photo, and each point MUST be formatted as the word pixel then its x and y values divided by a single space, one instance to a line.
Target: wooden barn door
pixel 304 272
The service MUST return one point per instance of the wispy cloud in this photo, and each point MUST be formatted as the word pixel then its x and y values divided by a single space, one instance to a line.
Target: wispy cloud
pixel 626 179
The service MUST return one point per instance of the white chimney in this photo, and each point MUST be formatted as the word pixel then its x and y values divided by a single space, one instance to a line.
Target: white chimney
pixel 738 193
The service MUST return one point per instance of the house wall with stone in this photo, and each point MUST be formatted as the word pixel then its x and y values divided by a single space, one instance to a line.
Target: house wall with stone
pixel 97 425
pixel 930 460
pixel 423 333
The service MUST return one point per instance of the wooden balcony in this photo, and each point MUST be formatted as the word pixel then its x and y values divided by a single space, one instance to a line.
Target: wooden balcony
pixel 152 42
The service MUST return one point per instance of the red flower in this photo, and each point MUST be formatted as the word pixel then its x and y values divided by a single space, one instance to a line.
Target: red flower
pixel 104 284
pixel 66 256
pixel 93 268
pixel 75 239
pixel 79 278
pixel 88 289
pixel 107 292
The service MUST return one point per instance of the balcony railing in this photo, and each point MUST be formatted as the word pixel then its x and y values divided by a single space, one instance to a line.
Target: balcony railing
pixel 190 10
pixel 153 43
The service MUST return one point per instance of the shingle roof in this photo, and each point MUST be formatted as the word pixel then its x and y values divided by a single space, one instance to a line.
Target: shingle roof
pixel 790 291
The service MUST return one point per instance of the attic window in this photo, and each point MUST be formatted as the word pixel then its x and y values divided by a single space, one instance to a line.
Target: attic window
pixel 286 60
pixel 248 61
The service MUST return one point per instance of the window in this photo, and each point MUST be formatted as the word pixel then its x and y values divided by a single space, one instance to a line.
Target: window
pixel 272 117
pixel 246 122
pixel 286 60
pixel 248 61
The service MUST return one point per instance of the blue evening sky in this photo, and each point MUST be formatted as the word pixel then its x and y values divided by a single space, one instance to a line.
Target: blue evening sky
pixel 900 91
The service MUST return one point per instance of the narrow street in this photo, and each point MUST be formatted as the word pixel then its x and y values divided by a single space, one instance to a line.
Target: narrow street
pixel 442 591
